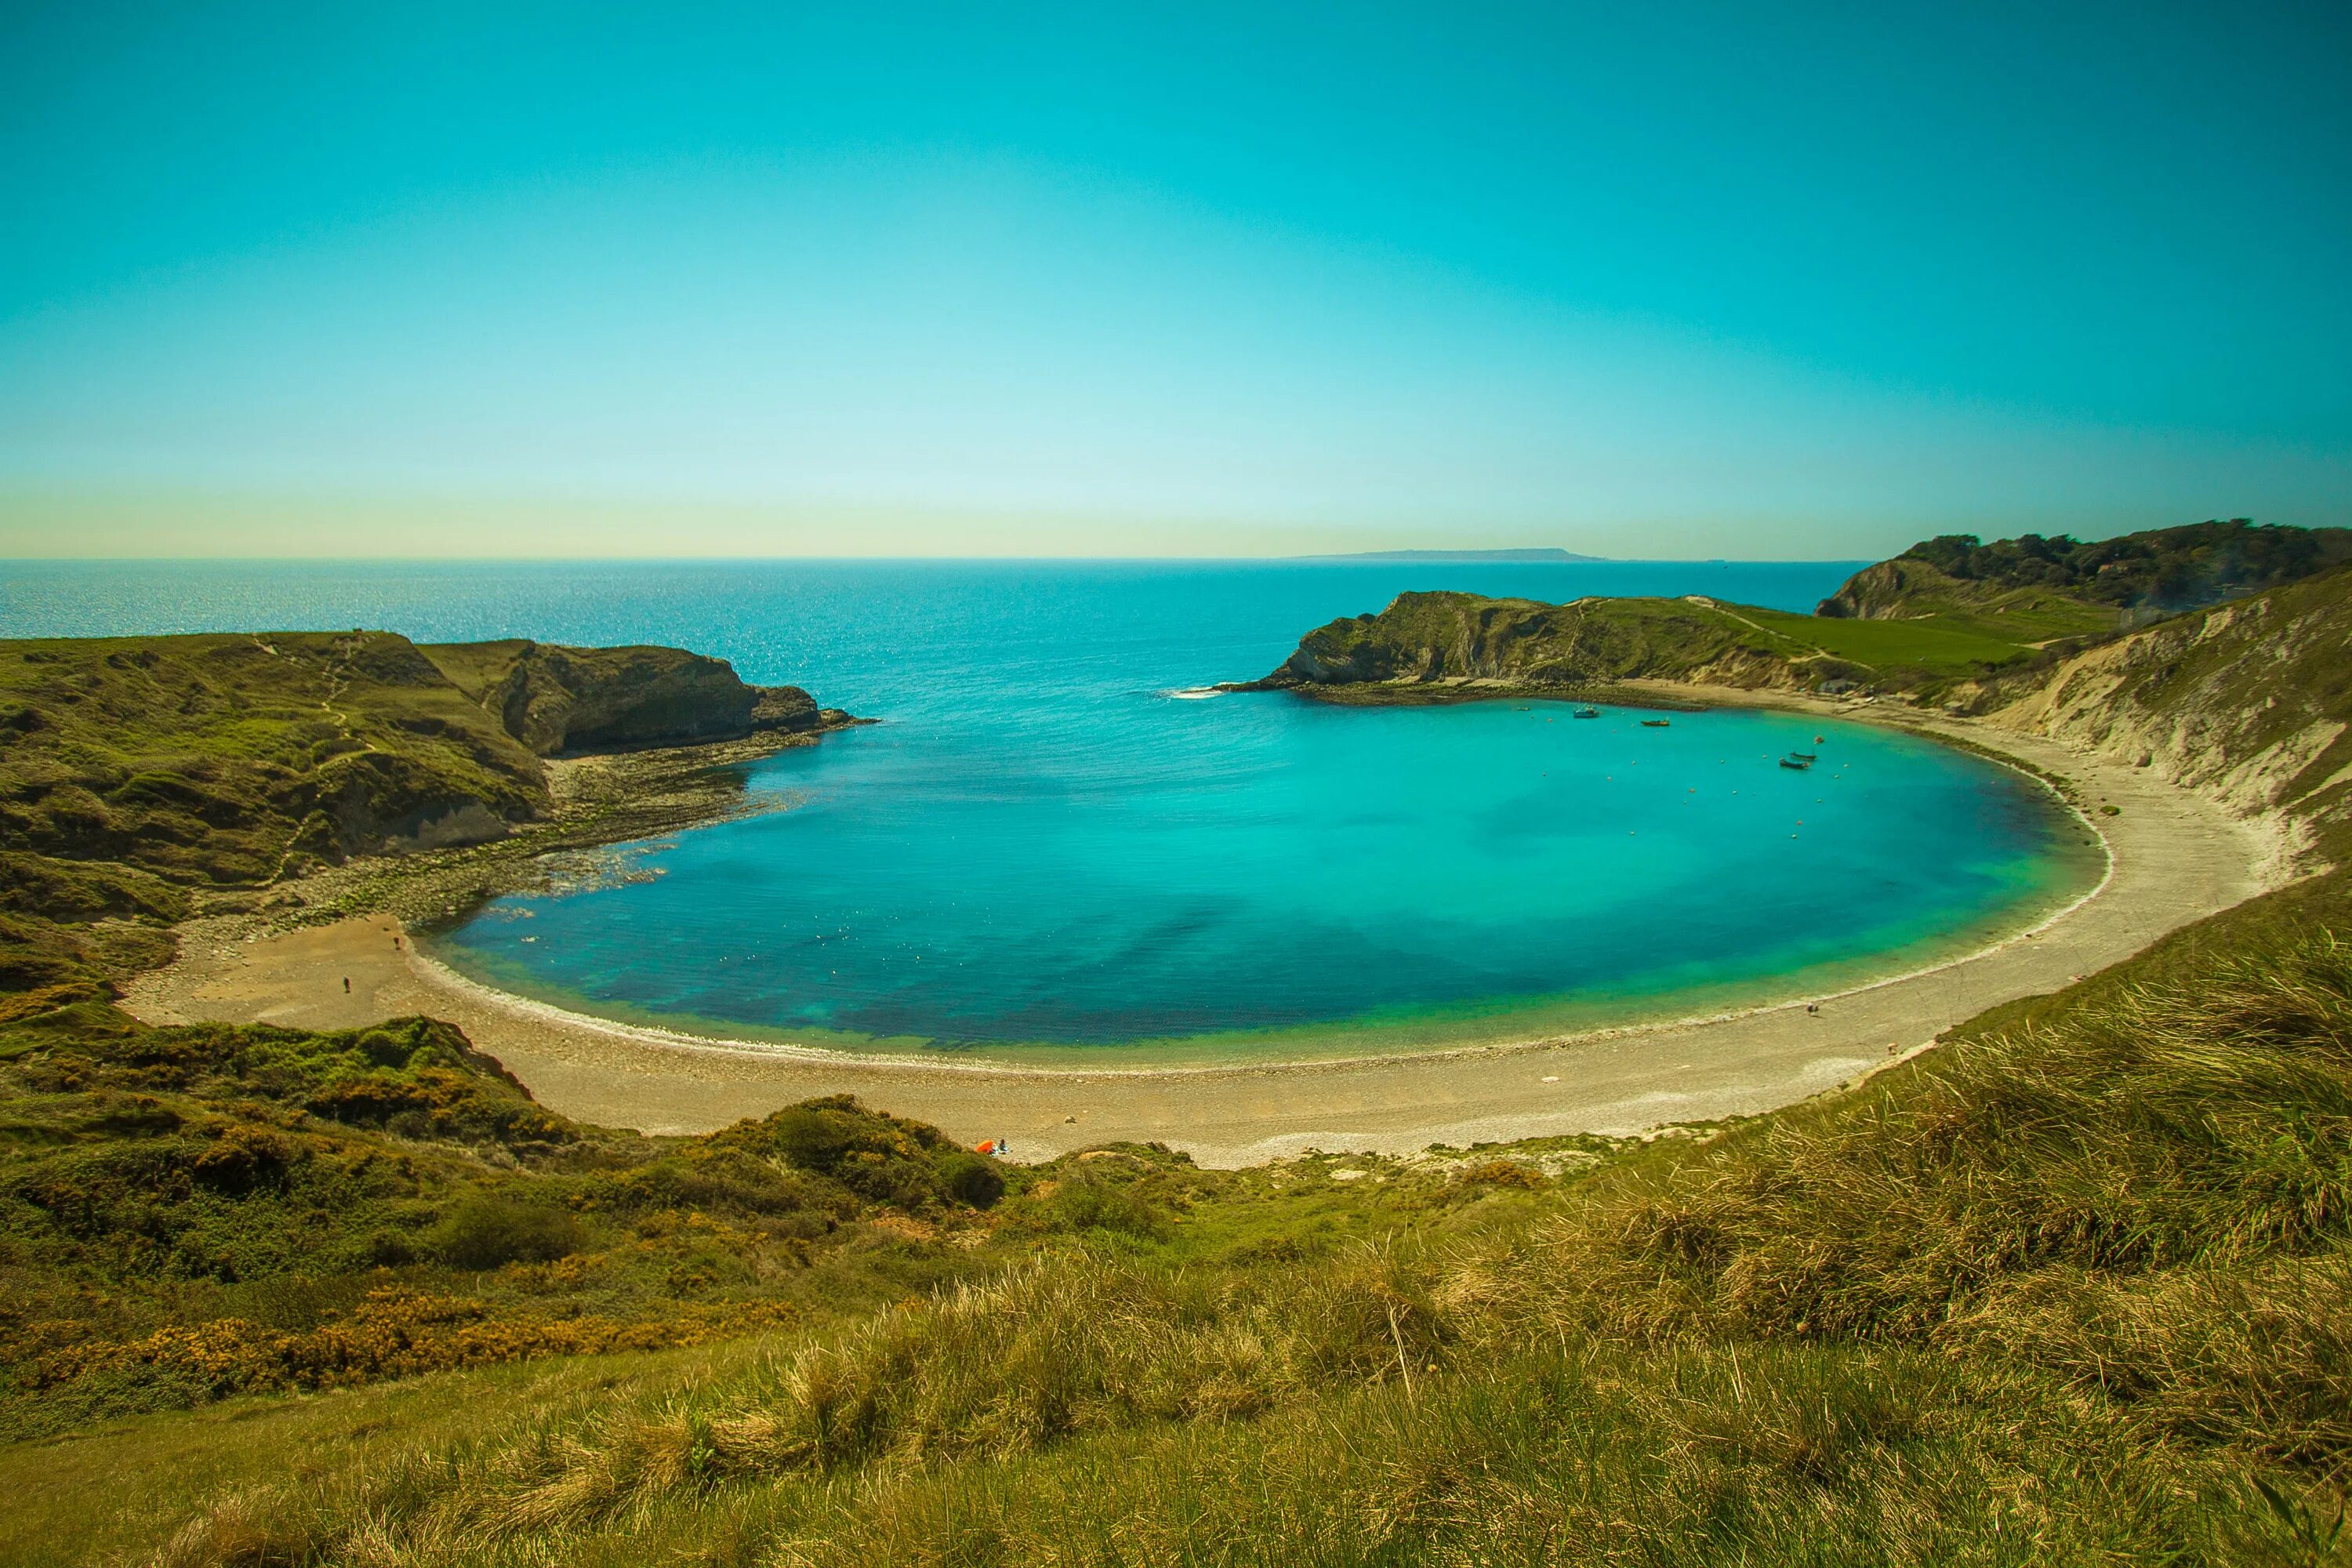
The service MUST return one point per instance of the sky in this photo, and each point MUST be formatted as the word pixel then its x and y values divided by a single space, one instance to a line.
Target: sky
pixel 1661 280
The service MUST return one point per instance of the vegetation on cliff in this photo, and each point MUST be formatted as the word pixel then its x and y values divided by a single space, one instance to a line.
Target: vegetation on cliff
pixel 562 700
pixel 2061 586
pixel 1423 645
pixel 1904 626
pixel 137 772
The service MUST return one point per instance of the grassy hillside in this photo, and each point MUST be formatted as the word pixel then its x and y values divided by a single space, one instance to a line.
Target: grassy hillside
pixel 2035 589
pixel 2072 1290
pixel 188 1214
pixel 1904 626
pixel 139 772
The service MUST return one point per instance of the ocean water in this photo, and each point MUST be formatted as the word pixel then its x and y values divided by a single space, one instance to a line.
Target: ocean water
pixel 1053 843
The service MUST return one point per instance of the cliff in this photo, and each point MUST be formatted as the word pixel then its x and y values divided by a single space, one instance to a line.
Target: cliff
pixel 1425 639
pixel 558 700
pixel 136 768
pixel 2061 586
pixel 2248 702
pixel 1428 645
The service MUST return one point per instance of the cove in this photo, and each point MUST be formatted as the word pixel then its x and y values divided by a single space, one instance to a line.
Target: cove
pixel 1141 877
pixel 1040 854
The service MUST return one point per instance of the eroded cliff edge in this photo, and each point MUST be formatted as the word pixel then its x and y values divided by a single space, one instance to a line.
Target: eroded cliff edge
pixel 140 775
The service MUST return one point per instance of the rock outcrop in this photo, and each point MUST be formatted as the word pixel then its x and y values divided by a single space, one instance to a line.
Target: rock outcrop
pixel 131 767
pixel 2248 702
pixel 1432 640
pixel 559 700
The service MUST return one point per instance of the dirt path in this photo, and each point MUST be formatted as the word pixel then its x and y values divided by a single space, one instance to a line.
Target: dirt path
pixel 2177 857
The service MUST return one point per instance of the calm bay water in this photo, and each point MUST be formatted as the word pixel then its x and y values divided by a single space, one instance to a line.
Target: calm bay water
pixel 1043 845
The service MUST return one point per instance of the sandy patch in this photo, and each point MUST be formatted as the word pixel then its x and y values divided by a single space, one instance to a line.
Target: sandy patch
pixel 2177 857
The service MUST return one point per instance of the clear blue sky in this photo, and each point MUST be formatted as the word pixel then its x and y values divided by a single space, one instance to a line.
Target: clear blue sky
pixel 1638 279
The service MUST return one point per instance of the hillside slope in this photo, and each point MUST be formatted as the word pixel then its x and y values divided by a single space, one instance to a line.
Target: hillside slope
pixel 2248 702
pixel 2072 1290
pixel 1424 646
pixel 137 771
pixel 187 1214
pixel 2039 588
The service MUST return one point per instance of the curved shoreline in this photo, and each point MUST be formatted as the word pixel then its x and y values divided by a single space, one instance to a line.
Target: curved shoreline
pixel 1290 1048
pixel 441 977
pixel 2172 857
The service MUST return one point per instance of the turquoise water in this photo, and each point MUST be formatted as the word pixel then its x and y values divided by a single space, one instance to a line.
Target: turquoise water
pixel 1045 846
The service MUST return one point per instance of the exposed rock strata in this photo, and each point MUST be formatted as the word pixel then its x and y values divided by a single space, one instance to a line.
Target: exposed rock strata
pixel 1432 640
pixel 2247 703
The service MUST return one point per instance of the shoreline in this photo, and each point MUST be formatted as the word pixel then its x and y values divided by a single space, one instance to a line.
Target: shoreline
pixel 2172 857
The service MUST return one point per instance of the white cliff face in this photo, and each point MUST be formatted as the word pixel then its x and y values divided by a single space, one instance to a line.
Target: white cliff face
pixel 2246 703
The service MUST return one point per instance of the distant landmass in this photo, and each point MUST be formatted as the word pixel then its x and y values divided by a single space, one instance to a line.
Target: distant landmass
pixel 1538 555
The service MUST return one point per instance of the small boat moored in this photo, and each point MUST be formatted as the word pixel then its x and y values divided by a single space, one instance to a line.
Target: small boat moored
pixel 1806 756
pixel 1794 761
pixel 1657 723
pixel 1586 713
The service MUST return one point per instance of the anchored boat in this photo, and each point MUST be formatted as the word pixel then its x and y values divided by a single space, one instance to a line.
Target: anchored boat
pixel 1587 713
pixel 1657 724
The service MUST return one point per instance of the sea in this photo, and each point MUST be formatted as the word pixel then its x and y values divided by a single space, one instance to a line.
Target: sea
pixel 1059 843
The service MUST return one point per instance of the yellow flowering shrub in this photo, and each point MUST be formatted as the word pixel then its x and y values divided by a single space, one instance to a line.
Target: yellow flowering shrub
pixel 395 1332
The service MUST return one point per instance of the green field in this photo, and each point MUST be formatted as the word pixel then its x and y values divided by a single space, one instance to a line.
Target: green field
pixel 1936 645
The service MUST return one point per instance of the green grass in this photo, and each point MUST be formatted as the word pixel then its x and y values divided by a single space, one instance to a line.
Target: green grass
pixel 189 1214
pixel 1937 647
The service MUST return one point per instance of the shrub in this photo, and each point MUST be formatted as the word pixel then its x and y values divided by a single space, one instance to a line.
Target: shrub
pixel 970 1179
pixel 1502 1173
pixel 1089 1203
pixel 487 1230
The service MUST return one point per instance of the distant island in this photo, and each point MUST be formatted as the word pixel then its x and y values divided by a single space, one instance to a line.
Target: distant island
pixel 1539 553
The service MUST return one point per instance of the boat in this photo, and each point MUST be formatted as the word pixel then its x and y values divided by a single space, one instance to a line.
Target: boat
pixel 1796 762
pixel 1657 723
pixel 1806 756
pixel 1587 713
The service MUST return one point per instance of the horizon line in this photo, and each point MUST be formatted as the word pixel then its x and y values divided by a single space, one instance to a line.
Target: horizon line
pixel 1385 558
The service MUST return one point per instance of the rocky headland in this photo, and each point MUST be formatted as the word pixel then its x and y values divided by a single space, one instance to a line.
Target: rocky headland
pixel 2246 700
pixel 145 780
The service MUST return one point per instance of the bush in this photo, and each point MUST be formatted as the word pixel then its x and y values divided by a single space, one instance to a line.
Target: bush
pixel 1502 1173
pixel 968 1179
pixel 486 1231
pixel 1090 1203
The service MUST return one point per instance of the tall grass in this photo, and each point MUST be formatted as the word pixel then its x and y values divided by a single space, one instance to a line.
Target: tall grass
pixel 2063 1293
pixel 2207 1123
